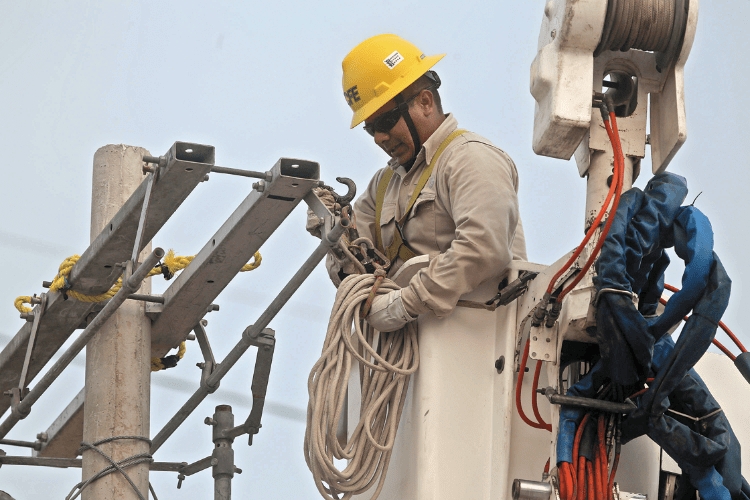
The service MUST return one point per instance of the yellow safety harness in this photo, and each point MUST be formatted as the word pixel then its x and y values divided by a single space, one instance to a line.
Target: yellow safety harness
pixel 398 246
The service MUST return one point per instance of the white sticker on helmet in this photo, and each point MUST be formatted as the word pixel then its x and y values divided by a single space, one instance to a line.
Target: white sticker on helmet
pixel 393 59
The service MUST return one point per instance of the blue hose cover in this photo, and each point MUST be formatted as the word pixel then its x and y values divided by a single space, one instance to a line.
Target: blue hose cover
pixel 708 482
pixel 569 418
pixel 693 243
pixel 743 365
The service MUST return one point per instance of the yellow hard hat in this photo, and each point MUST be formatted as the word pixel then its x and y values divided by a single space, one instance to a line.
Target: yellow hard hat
pixel 378 69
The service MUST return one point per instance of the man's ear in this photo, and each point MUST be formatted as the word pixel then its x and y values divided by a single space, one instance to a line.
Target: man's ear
pixel 426 102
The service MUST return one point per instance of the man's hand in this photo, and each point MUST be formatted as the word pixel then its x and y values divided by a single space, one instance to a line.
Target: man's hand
pixel 388 313
pixel 314 223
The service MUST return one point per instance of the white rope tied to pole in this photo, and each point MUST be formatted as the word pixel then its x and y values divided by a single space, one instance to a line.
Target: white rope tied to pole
pixel 386 361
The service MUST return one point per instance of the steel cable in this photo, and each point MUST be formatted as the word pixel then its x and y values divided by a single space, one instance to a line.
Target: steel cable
pixel 638 24
pixel 386 362
pixel 114 466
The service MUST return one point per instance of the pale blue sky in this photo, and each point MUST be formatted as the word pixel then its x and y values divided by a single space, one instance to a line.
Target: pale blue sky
pixel 261 80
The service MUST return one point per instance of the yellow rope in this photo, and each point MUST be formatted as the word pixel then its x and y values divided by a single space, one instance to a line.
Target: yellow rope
pixel 158 363
pixel 174 264
pixel 20 301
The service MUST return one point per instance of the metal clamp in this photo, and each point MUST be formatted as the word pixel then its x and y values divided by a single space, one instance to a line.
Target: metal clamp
pixel 633 296
pixel 513 290
pixel 209 363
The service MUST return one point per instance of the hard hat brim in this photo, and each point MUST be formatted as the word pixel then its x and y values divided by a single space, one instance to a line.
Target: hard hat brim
pixel 407 79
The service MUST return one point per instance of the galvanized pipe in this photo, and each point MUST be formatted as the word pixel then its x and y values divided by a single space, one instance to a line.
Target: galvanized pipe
pixel 241 173
pixel 129 286
pixel 248 335
pixel 21 444
pixel 588 403
pixel 64 463
pixel 223 454
pixel 156 299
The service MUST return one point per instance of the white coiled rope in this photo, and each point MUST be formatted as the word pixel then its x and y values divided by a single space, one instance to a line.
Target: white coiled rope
pixel 386 361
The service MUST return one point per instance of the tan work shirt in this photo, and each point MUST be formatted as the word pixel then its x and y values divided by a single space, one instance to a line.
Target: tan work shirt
pixel 466 218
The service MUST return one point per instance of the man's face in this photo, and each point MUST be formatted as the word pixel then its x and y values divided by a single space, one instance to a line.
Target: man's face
pixel 397 142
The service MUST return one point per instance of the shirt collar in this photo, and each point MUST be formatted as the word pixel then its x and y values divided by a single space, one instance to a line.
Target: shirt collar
pixel 429 147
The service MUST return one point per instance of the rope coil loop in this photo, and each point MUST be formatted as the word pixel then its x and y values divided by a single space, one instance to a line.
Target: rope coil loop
pixel 386 362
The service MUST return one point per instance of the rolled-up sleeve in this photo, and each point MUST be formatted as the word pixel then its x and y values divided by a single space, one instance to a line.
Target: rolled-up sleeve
pixel 477 184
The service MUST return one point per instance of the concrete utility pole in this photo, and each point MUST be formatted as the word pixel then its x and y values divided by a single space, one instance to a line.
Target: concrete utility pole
pixel 118 358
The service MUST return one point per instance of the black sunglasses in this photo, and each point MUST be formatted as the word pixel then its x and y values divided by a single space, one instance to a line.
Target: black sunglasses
pixel 385 122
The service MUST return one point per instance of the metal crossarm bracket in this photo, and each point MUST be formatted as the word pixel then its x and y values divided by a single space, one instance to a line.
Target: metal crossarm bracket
pixel 209 363
pixel 233 245
pixel 266 343
pixel 194 468
pixel 138 244
pixel 185 167
pixel 202 338
pixel 32 340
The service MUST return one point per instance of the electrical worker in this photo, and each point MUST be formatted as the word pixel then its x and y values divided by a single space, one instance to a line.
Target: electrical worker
pixel 445 192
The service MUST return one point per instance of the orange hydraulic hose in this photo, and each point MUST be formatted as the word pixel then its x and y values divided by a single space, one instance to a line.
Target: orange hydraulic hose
pixel 597 473
pixel 582 483
pixel 563 473
pixel 579 481
pixel 732 336
pixel 723 349
pixel 617 180
pixel 611 484
pixel 579 434
pixel 535 395
pixel 639 393
pixel 590 482
pixel 519 385
pixel 589 234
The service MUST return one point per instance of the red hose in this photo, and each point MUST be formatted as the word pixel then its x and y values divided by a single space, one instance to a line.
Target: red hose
pixel 724 327
pixel 639 393
pixel 715 342
pixel 563 472
pixel 617 181
pixel 597 473
pixel 590 482
pixel 519 385
pixel 579 481
pixel 582 483
pixel 535 396
pixel 579 434
pixel 611 484
pixel 589 233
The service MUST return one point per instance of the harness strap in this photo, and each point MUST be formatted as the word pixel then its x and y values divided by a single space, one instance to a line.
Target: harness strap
pixel 398 247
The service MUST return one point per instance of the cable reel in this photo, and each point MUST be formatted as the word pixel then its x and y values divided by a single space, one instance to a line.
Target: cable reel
pixel 634 48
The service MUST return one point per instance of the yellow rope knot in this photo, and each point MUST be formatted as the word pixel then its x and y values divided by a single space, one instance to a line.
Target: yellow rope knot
pixel 173 264
pixel 19 303
pixel 168 361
